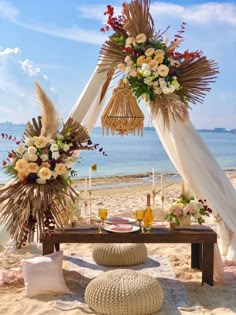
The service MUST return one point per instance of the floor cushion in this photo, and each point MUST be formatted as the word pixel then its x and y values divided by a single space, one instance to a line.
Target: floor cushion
pixel 124 292
pixel 119 254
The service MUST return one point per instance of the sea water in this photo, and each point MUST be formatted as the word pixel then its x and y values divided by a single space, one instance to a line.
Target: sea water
pixel 129 155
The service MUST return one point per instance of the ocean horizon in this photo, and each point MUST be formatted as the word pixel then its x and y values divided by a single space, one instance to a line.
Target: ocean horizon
pixel 129 155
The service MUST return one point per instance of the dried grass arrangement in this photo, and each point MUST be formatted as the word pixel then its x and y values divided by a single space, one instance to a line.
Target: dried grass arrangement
pixel 122 113
pixel 156 71
pixel 41 173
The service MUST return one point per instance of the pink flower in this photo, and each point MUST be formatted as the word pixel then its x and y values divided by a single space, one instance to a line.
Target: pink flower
pixel 178 211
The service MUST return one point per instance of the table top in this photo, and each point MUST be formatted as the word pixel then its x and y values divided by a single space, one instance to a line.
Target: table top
pixel 202 234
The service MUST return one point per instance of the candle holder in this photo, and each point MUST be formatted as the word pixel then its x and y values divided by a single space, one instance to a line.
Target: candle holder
pixel 154 193
pixel 86 218
pixel 90 205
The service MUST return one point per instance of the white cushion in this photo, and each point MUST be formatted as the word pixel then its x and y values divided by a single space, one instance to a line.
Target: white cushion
pixel 43 275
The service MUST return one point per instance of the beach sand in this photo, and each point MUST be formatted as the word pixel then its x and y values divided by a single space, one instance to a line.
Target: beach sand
pixel 124 199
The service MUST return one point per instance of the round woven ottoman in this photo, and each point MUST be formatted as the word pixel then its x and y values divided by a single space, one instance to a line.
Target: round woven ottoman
pixel 117 254
pixel 124 292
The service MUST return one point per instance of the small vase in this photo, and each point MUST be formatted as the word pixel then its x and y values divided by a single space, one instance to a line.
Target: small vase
pixel 185 220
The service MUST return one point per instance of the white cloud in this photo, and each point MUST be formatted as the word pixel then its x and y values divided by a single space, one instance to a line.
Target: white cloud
pixel 52 89
pixel 8 11
pixel 9 51
pixel 71 33
pixel 45 77
pixel 29 68
pixel 201 13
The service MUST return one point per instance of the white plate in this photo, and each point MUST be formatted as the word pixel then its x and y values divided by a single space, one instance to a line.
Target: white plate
pixel 134 229
pixel 129 221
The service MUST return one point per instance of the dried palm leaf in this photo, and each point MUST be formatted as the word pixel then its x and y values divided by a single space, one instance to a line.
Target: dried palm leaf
pixel 170 104
pixel 138 18
pixel 195 77
pixel 49 117
pixel 33 128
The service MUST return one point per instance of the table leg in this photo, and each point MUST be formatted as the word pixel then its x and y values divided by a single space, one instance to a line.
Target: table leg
pixel 207 263
pixel 196 256
pixel 57 247
pixel 48 248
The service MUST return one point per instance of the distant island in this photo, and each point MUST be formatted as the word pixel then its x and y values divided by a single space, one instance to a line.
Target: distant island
pixel 216 129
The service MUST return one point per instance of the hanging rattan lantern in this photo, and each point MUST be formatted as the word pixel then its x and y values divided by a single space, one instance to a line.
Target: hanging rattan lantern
pixel 122 114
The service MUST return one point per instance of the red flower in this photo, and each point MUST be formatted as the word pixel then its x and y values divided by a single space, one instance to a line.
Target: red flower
pixel 4 163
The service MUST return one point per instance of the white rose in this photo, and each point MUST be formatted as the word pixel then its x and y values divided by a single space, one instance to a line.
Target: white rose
pixel 163 70
pixel 20 149
pixel 146 73
pixel 60 168
pixel 141 38
pixel 166 90
pixel 44 173
pixel 32 150
pixel 40 181
pixel 157 90
pixel 148 81
pixel 44 157
pixel 149 52
pixel 51 141
pixel 163 83
pixel 28 142
pixel 66 147
pixel 33 157
pixel 55 155
pixel 26 156
pixel 159 51
pixel 40 142
pixel 54 147
pixel 145 66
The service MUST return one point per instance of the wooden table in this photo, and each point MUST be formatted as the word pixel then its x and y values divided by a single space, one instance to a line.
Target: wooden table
pixel 201 240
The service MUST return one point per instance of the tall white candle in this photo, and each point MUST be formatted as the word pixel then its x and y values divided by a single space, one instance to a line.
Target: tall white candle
pixel 85 189
pixel 153 179
pixel 162 188
pixel 90 179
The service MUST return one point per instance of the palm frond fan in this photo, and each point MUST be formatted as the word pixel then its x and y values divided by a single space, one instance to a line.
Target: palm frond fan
pixel 122 114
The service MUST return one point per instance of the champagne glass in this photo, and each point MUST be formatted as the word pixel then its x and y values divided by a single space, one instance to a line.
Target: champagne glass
pixel 102 213
pixel 139 216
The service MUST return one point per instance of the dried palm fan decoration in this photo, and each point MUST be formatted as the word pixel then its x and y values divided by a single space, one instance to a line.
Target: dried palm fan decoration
pixel 41 176
pixel 122 113
pixel 155 71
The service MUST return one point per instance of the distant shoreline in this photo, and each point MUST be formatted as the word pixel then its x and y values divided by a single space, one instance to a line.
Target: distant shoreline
pixel 215 129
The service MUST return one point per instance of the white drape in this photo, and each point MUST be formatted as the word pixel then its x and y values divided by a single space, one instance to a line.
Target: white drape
pixel 197 166
pixel 90 103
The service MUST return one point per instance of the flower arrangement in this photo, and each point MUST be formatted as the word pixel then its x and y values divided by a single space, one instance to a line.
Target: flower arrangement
pixel 186 206
pixel 40 159
pixel 41 171
pixel 155 70
pixel 148 67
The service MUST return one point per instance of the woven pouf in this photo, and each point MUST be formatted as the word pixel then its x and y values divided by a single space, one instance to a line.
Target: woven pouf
pixel 117 254
pixel 124 292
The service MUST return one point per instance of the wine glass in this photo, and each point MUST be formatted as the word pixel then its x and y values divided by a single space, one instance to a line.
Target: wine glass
pixel 139 216
pixel 102 213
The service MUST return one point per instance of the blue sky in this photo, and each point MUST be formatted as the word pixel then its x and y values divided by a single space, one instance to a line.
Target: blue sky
pixel 57 43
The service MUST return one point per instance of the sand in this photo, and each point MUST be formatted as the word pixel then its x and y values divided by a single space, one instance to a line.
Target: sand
pixel 128 194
